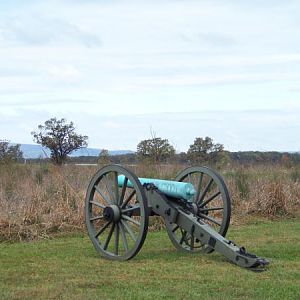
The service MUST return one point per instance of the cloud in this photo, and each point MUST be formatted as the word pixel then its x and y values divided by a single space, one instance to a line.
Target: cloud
pixel 209 39
pixel 263 130
pixel 44 31
pixel 65 73
pixel 206 80
pixel 217 39
pixel 133 57
pixel 36 103
pixel 295 90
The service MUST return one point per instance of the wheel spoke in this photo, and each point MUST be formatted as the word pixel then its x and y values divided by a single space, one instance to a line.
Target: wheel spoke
pixel 199 187
pixel 128 229
pixel 131 220
pixel 183 237
pixel 175 228
pixel 128 199
pixel 116 240
pixel 102 229
pixel 108 187
pixel 98 204
pixel 108 202
pixel 123 190
pixel 205 190
pixel 209 199
pixel 123 236
pixel 116 188
pixel 133 208
pixel 96 218
pixel 210 219
pixel 192 242
pixel 109 236
pixel 211 209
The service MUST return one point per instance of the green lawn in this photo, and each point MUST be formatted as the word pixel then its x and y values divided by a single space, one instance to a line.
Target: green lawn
pixel 69 267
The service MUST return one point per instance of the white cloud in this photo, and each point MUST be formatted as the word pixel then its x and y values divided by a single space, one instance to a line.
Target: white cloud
pixel 88 60
pixel 111 125
pixel 196 80
pixel 68 74
pixel 43 32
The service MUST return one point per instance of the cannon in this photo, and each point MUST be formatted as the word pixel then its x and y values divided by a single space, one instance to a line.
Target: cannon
pixel 195 207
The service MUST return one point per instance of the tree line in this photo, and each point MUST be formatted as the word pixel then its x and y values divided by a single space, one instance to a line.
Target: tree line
pixel 61 138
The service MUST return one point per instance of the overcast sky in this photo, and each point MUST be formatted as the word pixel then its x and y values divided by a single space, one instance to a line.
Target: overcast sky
pixel 183 69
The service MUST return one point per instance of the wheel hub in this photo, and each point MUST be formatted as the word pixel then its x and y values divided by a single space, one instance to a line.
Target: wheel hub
pixel 194 208
pixel 112 213
pixel 203 210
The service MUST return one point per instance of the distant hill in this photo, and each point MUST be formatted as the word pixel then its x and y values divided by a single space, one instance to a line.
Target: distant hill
pixel 37 151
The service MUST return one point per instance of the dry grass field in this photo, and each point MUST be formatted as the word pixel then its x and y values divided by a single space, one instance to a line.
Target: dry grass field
pixel 38 201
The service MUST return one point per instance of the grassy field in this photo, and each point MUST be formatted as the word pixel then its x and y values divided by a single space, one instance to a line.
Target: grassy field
pixel 69 267
pixel 39 201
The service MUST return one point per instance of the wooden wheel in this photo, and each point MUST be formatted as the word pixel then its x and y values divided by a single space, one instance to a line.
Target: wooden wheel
pixel 211 204
pixel 116 217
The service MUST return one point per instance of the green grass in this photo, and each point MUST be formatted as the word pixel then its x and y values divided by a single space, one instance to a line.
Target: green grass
pixel 69 267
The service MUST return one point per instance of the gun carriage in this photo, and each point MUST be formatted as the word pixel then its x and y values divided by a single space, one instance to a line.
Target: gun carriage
pixel 195 207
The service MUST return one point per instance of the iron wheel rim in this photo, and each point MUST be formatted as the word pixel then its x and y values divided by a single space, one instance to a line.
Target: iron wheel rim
pixel 181 239
pixel 118 237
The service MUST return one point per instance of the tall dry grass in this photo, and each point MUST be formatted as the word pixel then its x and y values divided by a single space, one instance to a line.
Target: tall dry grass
pixel 39 201
pixel 267 191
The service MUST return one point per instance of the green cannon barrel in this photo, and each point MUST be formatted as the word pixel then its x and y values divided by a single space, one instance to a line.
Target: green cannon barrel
pixel 170 188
